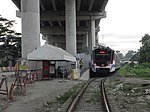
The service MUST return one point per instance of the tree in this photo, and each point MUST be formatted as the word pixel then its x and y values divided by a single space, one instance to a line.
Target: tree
pixel 10 47
pixel 119 54
pixel 129 54
pixel 144 52
pixel 135 57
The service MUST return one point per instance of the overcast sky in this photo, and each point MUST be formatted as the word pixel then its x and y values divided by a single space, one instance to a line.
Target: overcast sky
pixel 126 22
pixel 8 11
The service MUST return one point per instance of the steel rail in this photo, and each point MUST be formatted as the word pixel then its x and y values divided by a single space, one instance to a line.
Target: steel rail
pixel 104 96
pixel 74 103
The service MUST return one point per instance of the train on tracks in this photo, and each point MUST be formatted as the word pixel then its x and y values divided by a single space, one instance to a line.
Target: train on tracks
pixel 104 60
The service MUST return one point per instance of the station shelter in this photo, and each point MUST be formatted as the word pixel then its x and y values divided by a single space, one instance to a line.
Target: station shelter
pixel 50 58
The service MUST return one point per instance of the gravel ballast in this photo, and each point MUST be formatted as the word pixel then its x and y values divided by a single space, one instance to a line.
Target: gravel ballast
pixel 128 94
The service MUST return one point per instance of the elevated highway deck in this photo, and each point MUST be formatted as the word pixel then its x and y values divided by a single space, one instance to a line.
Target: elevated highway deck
pixel 72 25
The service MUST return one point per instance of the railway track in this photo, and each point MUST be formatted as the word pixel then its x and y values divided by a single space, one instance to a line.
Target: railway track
pixel 91 98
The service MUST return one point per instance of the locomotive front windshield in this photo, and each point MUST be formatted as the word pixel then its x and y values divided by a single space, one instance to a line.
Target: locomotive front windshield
pixel 103 55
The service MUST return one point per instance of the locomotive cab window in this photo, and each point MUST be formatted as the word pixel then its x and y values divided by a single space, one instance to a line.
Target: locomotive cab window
pixel 103 55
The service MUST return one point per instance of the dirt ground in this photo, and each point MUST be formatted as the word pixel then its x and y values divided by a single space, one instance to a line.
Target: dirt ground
pixel 128 94
pixel 36 95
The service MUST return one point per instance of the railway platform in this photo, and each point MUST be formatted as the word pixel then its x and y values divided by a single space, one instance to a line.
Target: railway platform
pixel 39 91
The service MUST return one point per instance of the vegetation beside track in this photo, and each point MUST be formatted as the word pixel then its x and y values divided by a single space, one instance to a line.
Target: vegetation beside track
pixel 141 70
pixel 70 93
pixel 55 105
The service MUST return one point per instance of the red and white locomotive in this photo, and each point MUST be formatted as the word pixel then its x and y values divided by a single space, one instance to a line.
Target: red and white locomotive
pixel 104 61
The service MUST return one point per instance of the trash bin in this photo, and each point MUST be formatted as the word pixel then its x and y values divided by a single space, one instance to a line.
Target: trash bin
pixel 74 74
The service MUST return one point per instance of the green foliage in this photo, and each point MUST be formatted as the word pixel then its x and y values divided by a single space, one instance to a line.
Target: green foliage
pixel 135 57
pixel 146 64
pixel 63 98
pixel 10 47
pixel 142 70
pixel 129 55
pixel 144 52
pixel 5 26
pixel 122 71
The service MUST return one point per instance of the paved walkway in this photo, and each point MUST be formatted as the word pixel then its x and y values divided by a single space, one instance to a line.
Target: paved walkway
pixel 85 75
pixel 36 95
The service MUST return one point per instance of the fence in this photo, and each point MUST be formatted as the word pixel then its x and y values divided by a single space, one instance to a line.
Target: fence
pixel 7 69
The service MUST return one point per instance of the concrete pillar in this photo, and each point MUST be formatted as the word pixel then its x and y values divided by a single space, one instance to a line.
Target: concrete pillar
pixel 70 16
pixel 93 33
pixel 96 39
pixel 84 43
pixel 49 39
pixel 30 14
pixel 86 39
pixel 89 38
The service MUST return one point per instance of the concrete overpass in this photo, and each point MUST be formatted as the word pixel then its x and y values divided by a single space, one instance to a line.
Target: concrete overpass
pixel 70 24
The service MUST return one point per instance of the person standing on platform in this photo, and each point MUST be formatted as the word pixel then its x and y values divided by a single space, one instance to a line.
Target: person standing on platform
pixel 81 63
pixel 58 72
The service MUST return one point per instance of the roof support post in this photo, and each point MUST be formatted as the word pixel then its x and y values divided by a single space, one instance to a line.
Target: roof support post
pixel 70 16
pixel 93 33
pixel 30 15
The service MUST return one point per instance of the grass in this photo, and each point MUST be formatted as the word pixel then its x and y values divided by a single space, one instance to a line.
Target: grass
pixel 139 71
pixel 49 104
pixel 63 98
pixel 122 71
pixel 70 93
